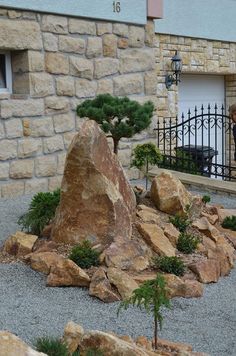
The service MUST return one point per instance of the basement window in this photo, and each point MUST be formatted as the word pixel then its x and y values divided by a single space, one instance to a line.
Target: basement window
pixel 5 73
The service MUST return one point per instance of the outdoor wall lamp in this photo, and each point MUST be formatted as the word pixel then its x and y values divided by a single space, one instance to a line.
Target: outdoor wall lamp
pixel 176 66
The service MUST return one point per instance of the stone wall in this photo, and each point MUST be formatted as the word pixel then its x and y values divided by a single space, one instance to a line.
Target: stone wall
pixel 58 62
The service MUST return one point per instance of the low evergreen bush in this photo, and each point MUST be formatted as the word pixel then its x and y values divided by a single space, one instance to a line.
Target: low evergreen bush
pixel 187 243
pixel 206 199
pixel 94 352
pixel 41 212
pixel 229 223
pixel 52 347
pixel 173 265
pixel 84 256
pixel 180 222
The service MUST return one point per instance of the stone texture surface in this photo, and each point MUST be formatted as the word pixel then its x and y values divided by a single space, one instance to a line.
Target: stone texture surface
pixel 97 206
pixel 101 288
pixel 207 271
pixel 20 244
pixel 127 255
pixel 72 336
pixel 156 238
pixel 122 281
pixel 43 261
pixel 169 194
pixel 66 273
pixel 11 345
pixel 207 228
pixel 180 288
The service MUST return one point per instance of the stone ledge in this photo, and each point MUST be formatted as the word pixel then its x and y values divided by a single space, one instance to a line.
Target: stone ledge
pixel 210 184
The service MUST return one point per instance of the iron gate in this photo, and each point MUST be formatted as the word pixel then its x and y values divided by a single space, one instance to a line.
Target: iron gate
pixel 202 144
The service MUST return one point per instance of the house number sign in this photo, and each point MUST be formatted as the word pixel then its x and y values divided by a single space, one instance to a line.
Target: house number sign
pixel 130 11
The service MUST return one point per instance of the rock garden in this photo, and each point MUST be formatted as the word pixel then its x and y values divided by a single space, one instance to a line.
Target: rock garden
pixel 125 244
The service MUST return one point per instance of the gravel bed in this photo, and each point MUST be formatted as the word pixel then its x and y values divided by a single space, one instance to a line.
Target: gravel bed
pixel 29 309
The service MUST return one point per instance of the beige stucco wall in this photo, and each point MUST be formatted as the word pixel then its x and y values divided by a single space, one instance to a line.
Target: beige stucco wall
pixel 57 63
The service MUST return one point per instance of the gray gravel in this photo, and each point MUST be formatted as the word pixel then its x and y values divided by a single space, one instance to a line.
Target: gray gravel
pixel 29 309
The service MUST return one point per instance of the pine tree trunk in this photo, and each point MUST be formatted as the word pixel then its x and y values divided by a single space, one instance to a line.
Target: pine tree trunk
pixel 155 333
pixel 116 144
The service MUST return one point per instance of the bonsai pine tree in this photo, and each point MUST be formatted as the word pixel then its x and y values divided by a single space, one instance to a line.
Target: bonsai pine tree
pixel 151 296
pixel 118 117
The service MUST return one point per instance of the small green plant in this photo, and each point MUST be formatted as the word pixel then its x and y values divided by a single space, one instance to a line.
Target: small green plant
pixel 206 199
pixel 180 222
pixel 151 296
pixel 187 243
pixel 41 211
pixel 172 265
pixel 84 255
pixel 52 346
pixel 145 154
pixel 229 222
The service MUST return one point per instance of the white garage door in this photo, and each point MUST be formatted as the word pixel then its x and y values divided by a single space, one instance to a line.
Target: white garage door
pixel 198 90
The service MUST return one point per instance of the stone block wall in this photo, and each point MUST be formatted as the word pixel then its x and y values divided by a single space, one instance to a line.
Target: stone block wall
pixel 57 62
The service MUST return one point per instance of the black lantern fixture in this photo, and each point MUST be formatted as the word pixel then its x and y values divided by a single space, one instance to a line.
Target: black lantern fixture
pixel 176 66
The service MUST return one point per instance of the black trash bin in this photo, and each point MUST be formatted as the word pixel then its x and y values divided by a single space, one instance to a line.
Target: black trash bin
pixel 202 156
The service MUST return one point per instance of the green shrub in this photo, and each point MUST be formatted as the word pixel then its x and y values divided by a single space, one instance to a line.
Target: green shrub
pixel 41 211
pixel 52 346
pixel 151 296
pixel 187 243
pixel 84 256
pixel 180 222
pixel 206 199
pixel 172 265
pixel 145 154
pixel 229 223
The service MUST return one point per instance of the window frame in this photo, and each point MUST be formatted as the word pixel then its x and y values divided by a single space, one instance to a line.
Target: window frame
pixel 8 70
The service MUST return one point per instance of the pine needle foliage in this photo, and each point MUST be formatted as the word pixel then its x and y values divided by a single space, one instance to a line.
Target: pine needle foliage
pixel 52 347
pixel 168 264
pixel 187 243
pixel 84 255
pixel 117 117
pixel 229 223
pixel 150 296
pixel 41 211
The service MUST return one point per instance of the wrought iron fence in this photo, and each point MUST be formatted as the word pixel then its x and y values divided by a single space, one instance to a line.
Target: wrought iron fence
pixel 202 144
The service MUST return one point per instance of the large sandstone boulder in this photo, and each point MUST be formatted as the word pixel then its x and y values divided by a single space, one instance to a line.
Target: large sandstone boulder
pixel 11 345
pixel 101 288
pixel 72 336
pixel 122 281
pixel 169 194
pixel 43 261
pixel 97 202
pixel 207 271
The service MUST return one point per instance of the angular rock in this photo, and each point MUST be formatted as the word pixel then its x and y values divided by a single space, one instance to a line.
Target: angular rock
pixel 100 287
pixel 174 347
pixel 67 273
pixel 43 261
pixel 128 255
pixel 122 281
pixel 211 218
pixel 180 288
pixel 11 345
pixel 229 234
pixel 223 259
pixel 171 232
pixel 19 244
pixel 156 238
pixel 207 228
pixel 72 336
pixel 169 194
pixel 207 271
pixel 148 217
pixel 97 202
pixel 109 345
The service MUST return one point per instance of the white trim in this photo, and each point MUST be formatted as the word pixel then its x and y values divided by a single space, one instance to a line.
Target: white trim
pixel 8 89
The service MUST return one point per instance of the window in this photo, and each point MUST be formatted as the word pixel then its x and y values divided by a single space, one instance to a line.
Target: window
pixel 5 73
